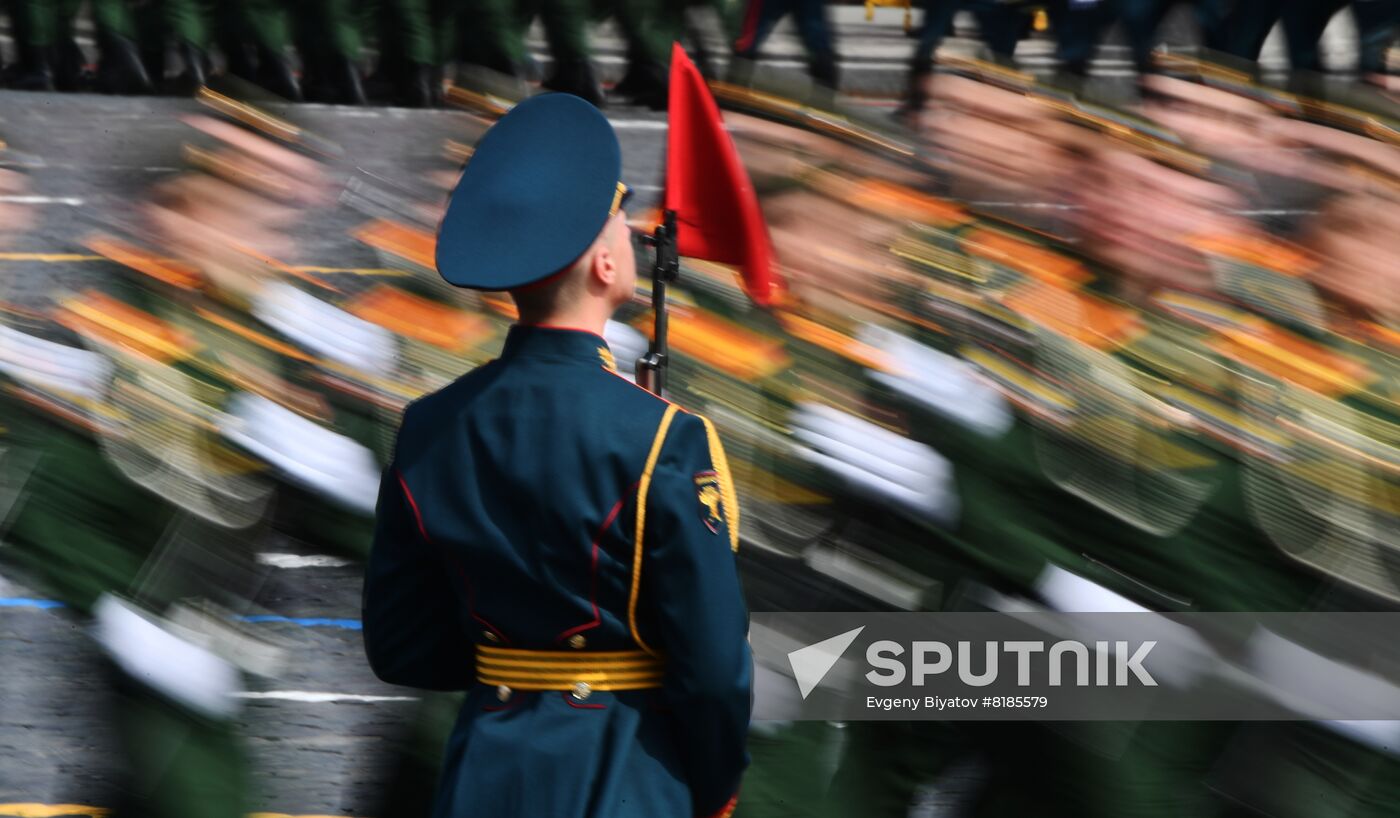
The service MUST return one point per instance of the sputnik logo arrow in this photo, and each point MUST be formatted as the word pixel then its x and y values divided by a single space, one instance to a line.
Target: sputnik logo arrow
pixel 811 664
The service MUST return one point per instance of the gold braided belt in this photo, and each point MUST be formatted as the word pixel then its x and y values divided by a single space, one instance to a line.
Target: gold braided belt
pixel 578 672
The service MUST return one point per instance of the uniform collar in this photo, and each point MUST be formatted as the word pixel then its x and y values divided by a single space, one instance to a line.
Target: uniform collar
pixel 542 341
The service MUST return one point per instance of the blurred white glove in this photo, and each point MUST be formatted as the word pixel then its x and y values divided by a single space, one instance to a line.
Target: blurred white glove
pixel 1309 682
pixel 1181 657
pixel 876 462
pixel 325 329
pixel 314 456
pixel 52 365
pixel 941 383
pixel 153 655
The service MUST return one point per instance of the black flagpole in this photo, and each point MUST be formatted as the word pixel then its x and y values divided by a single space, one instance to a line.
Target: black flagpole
pixel 651 368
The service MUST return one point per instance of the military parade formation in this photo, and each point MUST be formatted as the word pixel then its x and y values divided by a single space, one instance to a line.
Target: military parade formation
pixel 317 51
pixel 403 52
pixel 1031 348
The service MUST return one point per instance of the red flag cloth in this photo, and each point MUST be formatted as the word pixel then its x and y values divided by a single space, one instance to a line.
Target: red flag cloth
pixel 717 213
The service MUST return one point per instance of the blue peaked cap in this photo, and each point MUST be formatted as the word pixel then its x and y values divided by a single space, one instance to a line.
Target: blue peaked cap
pixel 537 191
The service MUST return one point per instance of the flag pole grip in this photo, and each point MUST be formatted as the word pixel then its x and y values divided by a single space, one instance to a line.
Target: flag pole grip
pixel 651 368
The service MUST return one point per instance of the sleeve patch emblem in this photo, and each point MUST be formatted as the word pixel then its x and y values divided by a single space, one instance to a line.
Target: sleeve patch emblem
pixel 711 500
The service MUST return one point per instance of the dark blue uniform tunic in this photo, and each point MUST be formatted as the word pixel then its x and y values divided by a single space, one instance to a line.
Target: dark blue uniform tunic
pixel 543 502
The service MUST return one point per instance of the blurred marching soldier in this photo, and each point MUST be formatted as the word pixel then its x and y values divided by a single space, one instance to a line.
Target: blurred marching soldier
pixel 156 460
pixel 1200 527
pixel 410 55
pixel 566 28
pixel 1142 18
pixel 48 56
pixel 119 66
pixel 813 26
pixel 649 28
pixel 417 39
pixel 1304 22
pixel 1077 27
pixel 1329 380
pixel 254 35
pixel 141 31
pixel 1376 24
pixel 327 36
pixel 937 25
pixel 586 527
pixel 124 516
pixel 487 35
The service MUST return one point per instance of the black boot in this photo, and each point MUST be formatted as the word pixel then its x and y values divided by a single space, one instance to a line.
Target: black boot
pixel 34 71
pixel 576 77
pixel 240 59
pixel 740 71
pixel 276 75
pixel 632 81
pixel 645 84
pixel 119 70
pixel 388 80
pixel 416 88
pixel 70 67
pixel 196 71
pixel 345 75
pixel 824 71
pixel 916 96
pixel 153 60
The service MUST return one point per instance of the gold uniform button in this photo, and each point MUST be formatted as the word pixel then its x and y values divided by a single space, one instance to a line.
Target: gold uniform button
pixel 582 690
pixel 577 641
pixel 502 693
pixel 490 636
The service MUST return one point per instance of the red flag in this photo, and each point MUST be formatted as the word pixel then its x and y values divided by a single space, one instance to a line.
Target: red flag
pixel 717 213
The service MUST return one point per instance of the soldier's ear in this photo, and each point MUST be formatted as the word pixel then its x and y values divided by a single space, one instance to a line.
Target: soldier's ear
pixel 603 267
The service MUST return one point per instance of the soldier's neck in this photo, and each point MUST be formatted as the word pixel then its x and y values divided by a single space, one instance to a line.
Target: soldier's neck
pixel 588 320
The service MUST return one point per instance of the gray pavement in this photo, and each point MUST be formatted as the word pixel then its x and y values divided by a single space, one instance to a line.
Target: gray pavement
pixel 310 757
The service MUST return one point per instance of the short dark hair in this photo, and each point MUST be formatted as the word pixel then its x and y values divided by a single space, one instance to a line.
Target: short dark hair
pixel 537 302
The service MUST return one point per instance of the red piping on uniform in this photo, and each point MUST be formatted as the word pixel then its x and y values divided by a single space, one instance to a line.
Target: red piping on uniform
pixel 728 808
pixel 461 571
pixel 593 571
pixel 413 504
pixel 568 698
pixel 750 29
pixel 471 601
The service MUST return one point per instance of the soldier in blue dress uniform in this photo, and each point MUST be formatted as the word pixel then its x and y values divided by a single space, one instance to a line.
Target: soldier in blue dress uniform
pixel 551 538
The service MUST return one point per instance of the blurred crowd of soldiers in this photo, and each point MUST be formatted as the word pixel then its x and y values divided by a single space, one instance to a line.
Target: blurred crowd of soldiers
pixel 1084 359
pixel 1234 27
pixel 317 51
pixel 1033 351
